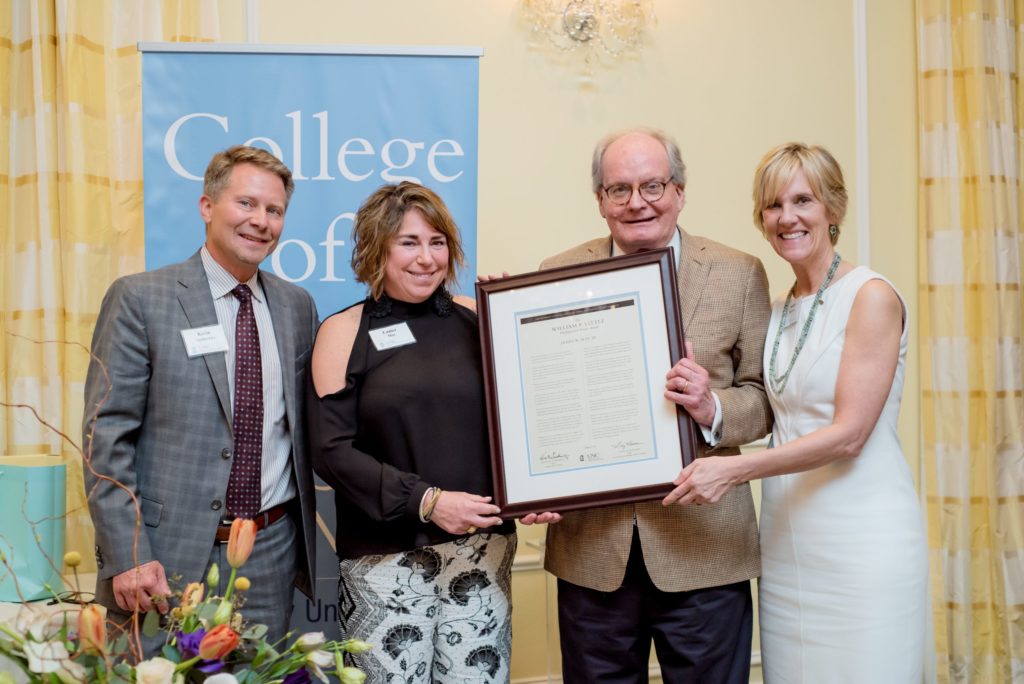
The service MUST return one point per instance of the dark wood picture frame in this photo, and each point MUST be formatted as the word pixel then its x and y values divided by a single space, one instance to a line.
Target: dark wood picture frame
pixel 489 293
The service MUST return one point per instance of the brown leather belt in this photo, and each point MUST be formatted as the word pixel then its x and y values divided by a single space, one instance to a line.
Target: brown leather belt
pixel 263 519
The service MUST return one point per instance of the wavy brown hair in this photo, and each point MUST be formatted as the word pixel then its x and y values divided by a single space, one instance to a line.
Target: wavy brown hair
pixel 379 220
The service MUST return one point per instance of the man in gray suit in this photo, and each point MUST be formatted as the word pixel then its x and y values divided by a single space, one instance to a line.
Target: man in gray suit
pixel 176 407
pixel 679 575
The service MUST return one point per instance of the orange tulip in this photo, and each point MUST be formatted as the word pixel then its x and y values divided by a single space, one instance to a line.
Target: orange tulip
pixel 240 542
pixel 92 629
pixel 218 643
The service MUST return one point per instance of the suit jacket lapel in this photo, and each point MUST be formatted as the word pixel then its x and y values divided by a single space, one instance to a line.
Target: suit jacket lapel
pixel 693 274
pixel 691 277
pixel 285 336
pixel 197 303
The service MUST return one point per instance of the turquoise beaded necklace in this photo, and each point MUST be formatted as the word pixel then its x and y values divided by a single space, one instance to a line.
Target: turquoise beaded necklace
pixel 779 381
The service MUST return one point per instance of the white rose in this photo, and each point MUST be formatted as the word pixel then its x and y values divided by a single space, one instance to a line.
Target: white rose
pixel 39 625
pixel 155 671
pixel 51 657
pixel 71 672
pixel 45 656
pixel 221 678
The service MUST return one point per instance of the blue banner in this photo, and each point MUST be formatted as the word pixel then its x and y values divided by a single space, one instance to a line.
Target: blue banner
pixel 345 124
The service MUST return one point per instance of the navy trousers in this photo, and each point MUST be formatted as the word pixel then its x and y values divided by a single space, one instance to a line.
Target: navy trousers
pixel 701 636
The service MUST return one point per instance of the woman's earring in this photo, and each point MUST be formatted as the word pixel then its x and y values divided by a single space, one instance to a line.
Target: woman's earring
pixel 833 231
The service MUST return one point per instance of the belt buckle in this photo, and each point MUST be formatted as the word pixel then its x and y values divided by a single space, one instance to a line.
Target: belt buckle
pixel 223 524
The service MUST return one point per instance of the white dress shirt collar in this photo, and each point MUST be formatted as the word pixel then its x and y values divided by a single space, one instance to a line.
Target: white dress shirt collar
pixel 222 282
pixel 676 243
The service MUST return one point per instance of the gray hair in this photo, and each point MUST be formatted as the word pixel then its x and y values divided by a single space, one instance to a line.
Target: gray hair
pixel 677 169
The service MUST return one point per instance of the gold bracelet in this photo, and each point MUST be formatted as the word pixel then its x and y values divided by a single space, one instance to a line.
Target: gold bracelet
pixel 425 503
pixel 433 503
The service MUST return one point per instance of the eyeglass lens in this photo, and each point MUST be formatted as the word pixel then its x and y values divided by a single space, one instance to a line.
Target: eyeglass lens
pixel 650 191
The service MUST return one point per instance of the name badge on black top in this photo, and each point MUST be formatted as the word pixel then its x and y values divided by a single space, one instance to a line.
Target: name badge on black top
pixel 397 335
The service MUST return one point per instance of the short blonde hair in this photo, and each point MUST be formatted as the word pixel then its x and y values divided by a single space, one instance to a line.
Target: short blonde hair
pixel 379 220
pixel 823 173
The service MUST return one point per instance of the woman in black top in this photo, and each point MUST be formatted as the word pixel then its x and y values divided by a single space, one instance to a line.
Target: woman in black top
pixel 398 429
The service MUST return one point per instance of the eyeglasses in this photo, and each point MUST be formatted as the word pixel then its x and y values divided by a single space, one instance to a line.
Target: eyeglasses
pixel 650 191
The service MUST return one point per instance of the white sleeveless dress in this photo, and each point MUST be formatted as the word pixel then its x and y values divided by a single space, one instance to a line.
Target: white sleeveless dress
pixel 843 590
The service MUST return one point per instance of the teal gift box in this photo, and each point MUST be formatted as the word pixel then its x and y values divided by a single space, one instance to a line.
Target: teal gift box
pixel 32 507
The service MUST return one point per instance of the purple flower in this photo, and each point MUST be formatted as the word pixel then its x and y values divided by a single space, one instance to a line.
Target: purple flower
pixel 188 643
pixel 298 677
pixel 188 646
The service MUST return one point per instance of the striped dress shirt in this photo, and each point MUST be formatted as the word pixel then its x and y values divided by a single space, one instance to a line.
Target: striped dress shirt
pixel 277 483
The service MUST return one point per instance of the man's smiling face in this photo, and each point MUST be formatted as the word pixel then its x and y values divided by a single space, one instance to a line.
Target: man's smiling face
pixel 638 224
pixel 244 222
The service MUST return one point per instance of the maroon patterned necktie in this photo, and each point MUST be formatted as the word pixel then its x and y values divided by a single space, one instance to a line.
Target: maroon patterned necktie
pixel 243 500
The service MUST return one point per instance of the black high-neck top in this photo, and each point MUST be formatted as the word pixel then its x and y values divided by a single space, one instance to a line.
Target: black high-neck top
pixel 409 418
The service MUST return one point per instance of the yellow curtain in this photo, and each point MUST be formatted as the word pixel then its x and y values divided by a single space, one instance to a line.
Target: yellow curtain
pixel 972 160
pixel 70 202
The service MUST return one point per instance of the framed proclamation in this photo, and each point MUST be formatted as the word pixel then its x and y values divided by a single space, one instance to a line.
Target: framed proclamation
pixel 574 375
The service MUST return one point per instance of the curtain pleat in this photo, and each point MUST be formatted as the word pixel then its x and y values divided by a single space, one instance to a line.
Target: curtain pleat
pixel 970 105
pixel 71 218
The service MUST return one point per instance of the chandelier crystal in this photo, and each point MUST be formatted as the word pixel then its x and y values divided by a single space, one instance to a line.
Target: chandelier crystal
pixel 599 29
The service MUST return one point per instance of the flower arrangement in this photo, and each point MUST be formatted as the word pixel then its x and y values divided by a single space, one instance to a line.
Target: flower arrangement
pixel 207 640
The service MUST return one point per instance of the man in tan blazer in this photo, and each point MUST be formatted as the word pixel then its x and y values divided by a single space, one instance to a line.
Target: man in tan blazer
pixel 677 574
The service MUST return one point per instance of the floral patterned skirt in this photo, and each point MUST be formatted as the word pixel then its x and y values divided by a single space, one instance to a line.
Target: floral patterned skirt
pixel 436 613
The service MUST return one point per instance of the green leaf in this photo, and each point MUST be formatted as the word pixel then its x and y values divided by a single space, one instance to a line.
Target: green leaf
pixel 120 644
pixel 171 653
pixel 122 674
pixel 281 668
pixel 263 651
pixel 190 623
pixel 206 610
pixel 151 625
pixel 246 677
pixel 256 631
pixel 271 652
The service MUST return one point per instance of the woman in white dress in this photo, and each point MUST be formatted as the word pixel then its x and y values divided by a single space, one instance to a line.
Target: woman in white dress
pixel 843 590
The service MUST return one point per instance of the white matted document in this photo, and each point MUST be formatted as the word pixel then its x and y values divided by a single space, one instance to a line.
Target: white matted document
pixel 574 371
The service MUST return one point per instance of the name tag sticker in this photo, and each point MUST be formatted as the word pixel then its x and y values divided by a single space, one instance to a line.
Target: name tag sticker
pixel 206 340
pixel 397 335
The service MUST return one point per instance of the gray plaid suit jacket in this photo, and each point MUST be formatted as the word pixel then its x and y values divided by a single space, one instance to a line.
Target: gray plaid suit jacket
pixel 723 295
pixel 158 422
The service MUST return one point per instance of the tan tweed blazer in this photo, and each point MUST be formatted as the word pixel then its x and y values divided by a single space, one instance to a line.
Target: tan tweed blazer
pixel 723 295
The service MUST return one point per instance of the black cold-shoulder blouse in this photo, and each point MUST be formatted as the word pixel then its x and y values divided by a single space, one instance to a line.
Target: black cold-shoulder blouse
pixel 409 418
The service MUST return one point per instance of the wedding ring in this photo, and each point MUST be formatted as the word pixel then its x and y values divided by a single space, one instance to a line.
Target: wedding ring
pixel 471 529
pixel 686 383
